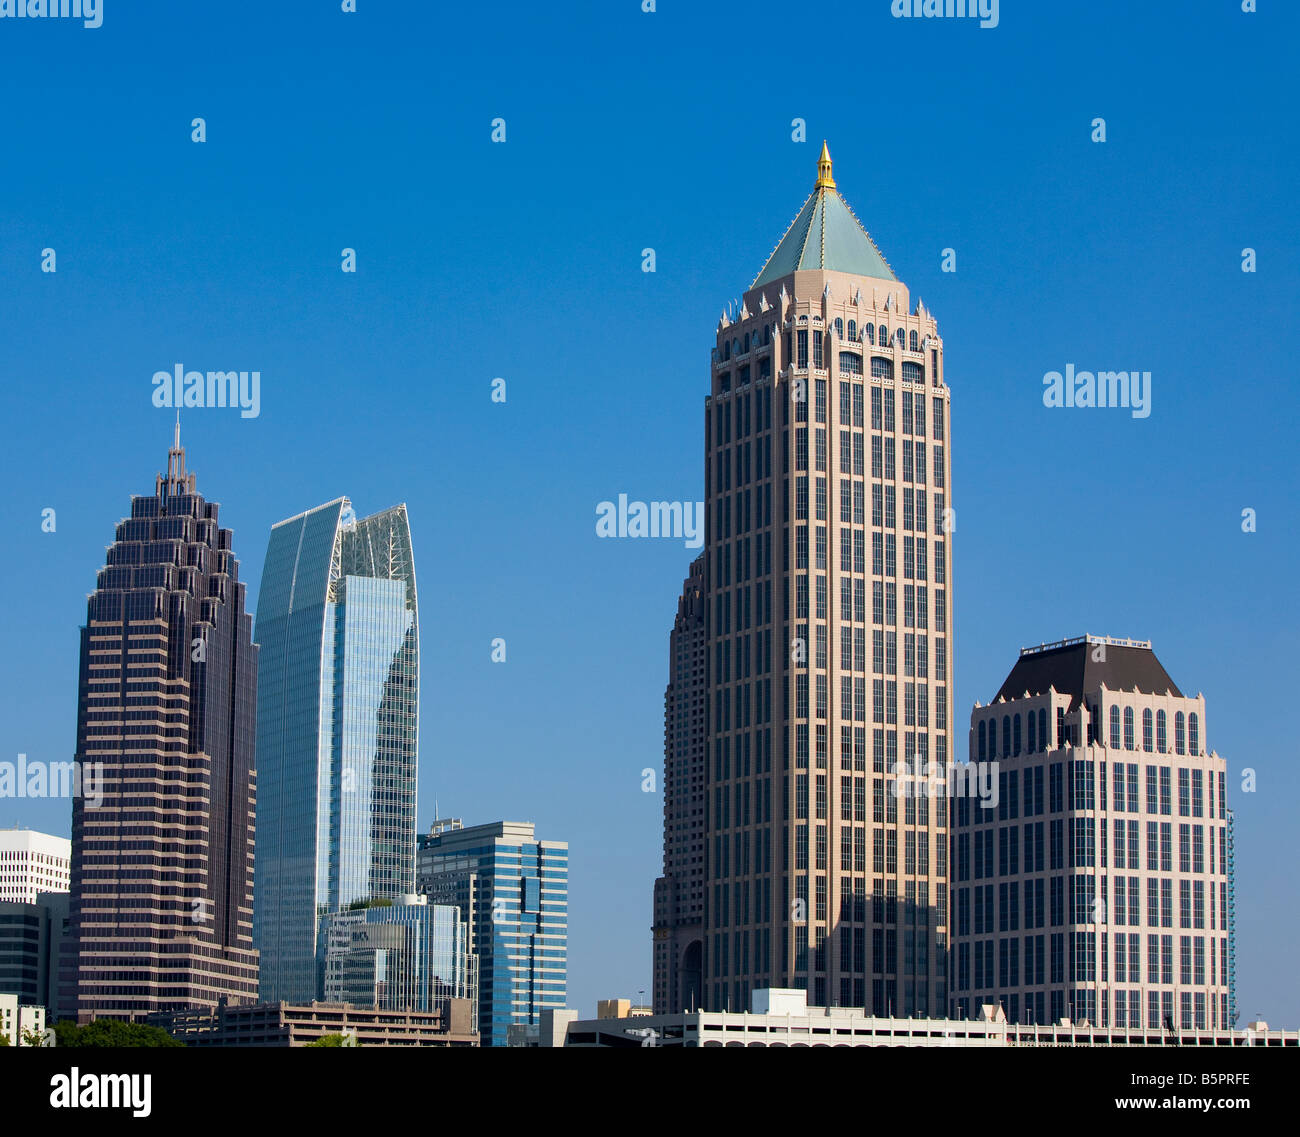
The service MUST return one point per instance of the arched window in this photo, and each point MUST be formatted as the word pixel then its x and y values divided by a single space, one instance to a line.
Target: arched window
pixel 1114 727
pixel 1006 736
pixel 1193 733
pixel 746 341
pixel 1129 744
pixel 1033 723
pixel 882 336
pixel 1180 732
pixel 870 330
pixel 913 372
pixel 1148 743
pixel 881 368
pixel 839 328
pixel 911 340
pixel 726 352
pixel 1162 732
pixel 983 751
pixel 735 346
pixel 902 339
pixel 1016 732
pixel 1043 740
pixel 853 330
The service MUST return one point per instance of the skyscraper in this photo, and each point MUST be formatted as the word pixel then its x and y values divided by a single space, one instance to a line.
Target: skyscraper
pixel 1099 889
pixel 337 712
pixel 162 867
pixel 679 893
pixel 513 891
pixel 32 862
pixel 828 608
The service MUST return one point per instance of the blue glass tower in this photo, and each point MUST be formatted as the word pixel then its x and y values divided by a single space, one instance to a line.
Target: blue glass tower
pixel 337 712
pixel 513 890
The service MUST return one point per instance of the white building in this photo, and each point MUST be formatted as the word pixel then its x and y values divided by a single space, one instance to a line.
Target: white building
pixel 32 862
pixel 16 1018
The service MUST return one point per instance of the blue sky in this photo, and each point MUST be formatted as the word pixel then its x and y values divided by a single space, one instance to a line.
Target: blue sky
pixel 522 260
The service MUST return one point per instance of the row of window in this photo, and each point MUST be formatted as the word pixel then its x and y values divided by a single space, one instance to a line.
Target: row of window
pixel 1155 733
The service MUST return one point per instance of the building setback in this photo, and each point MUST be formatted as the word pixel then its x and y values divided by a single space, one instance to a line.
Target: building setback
pixel 828 609
pixel 679 893
pixel 338 718
pixel 513 891
pixel 162 870
pixel 1099 888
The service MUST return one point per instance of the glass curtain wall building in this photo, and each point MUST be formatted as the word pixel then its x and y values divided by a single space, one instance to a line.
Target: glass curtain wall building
pixel 513 890
pixel 338 707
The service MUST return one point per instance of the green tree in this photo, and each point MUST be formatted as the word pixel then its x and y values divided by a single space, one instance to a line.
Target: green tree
pixel 112 1032
pixel 328 1040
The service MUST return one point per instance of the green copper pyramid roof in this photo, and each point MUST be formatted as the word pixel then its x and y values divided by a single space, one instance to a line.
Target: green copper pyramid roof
pixel 825 235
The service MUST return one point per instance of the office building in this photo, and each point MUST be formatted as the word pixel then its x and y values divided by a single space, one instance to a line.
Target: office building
pixel 338 714
pixel 404 953
pixel 162 859
pixel 679 893
pixel 34 947
pixel 32 862
pixel 512 889
pixel 828 618
pixel 1097 891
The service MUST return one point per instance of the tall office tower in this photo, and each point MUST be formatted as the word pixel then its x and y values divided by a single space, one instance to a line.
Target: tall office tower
pixel 337 713
pixel 162 866
pixel 513 891
pixel 1098 889
pixel 828 614
pixel 32 862
pixel 679 893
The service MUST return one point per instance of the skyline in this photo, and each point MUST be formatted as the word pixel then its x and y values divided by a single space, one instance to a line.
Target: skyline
pixel 1117 255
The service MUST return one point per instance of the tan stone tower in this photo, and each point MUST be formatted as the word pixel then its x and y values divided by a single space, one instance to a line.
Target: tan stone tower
pixel 828 646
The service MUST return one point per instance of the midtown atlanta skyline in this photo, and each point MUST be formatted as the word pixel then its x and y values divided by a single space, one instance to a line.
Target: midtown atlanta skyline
pixel 1122 255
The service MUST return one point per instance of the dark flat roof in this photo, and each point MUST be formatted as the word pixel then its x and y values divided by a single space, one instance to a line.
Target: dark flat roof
pixel 1071 668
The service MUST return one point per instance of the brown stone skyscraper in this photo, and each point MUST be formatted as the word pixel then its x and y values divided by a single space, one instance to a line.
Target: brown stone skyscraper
pixel 162 867
pixel 828 615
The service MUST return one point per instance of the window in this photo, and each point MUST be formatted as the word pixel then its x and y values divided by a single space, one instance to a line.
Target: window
pixel 1193 734
pixel 801 339
pixel 818 350
pixel 1162 732
pixel 853 330
pixel 1128 729
pixel 1180 733
pixel 911 342
pixel 869 330
pixel 882 368
pixel 1114 727
pixel 1147 740
pixel 913 372
pixel 839 328
pixel 850 363
pixel 882 336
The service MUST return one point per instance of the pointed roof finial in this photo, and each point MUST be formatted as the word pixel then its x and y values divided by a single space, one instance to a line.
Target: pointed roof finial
pixel 824 178
pixel 177 444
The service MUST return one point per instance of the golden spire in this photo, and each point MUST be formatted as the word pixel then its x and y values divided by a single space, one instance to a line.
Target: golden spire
pixel 824 168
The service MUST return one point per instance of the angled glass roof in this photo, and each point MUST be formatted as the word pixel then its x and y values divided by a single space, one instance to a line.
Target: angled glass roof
pixel 825 235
